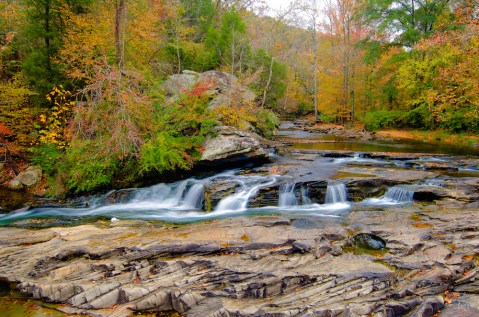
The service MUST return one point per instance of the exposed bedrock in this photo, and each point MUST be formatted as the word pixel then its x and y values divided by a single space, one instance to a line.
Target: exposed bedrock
pixel 258 266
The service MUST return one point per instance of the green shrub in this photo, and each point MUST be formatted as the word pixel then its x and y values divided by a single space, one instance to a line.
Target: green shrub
pixel 326 118
pixel 48 156
pixel 419 118
pixel 375 120
pixel 267 122
pixel 180 130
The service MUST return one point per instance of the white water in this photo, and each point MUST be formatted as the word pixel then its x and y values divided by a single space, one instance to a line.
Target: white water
pixel 396 195
pixel 182 202
pixel 249 186
pixel 336 193
pixel 287 197
pixel 399 194
pixel 304 196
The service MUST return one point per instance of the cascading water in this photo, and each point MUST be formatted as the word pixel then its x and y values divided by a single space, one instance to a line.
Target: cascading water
pixel 336 193
pixel 304 196
pixel 399 194
pixel 182 202
pixel 287 197
pixel 249 186
pixel 184 195
pixel 394 196
pixel 195 196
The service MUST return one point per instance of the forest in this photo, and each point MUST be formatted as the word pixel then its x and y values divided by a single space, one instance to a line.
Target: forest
pixel 81 81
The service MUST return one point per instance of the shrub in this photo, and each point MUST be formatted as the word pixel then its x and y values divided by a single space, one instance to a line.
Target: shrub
pixel 266 122
pixel 375 120
pixel 327 118
pixel 180 129
pixel 419 118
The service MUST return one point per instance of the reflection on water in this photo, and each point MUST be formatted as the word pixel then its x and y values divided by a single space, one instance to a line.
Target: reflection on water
pixel 356 145
pixel 385 146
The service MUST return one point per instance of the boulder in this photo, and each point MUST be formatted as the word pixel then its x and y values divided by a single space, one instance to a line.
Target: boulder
pixel 231 145
pixel 368 241
pixel 30 177
pixel 15 184
pixel 178 84
pixel 223 88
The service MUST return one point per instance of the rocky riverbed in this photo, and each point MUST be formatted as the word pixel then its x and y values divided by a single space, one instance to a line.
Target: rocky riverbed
pixel 256 266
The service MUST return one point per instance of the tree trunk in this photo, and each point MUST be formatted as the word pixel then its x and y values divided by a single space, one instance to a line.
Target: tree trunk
pixel 268 82
pixel 8 159
pixel 120 11
pixel 47 37
pixel 315 73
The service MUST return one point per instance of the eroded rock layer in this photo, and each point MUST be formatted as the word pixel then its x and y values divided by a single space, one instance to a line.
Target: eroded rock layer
pixel 259 266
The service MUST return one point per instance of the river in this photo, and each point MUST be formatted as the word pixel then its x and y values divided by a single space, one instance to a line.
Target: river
pixel 294 196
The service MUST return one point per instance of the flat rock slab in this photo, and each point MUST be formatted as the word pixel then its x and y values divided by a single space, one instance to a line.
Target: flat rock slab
pixel 257 266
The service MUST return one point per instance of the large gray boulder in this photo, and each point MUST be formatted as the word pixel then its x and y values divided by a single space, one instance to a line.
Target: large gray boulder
pixel 29 178
pixel 231 144
pixel 224 88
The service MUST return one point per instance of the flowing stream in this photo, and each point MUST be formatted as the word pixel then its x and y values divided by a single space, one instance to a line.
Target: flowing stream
pixel 192 199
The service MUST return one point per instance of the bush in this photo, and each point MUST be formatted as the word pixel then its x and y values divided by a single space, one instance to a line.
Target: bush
pixel 48 156
pixel 180 129
pixel 327 118
pixel 419 118
pixel 266 122
pixel 244 117
pixel 375 120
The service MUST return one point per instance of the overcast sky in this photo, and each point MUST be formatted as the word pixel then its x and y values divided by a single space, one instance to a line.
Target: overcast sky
pixel 278 4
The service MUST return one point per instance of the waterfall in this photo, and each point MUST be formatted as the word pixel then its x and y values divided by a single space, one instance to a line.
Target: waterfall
pixel 194 196
pixel 304 196
pixel 399 194
pixel 164 194
pixel 336 193
pixel 287 197
pixel 249 186
pixel 187 194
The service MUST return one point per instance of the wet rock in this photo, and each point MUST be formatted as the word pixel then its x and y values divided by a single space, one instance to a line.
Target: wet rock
pixel 118 197
pixel 217 190
pixel 314 191
pixel 268 196
pixel 435 166
pixel 368 241
pixel 430 193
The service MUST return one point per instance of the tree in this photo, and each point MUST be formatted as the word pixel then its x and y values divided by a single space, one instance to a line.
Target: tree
pixel 406 21
pixel 441 84
pixel 312 9
pixel 42 40
pixel 233 41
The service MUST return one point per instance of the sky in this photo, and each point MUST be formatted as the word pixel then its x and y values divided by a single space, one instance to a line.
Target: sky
pixel 278 4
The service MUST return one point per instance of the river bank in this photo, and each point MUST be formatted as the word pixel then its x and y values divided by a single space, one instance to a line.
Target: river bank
pixel 431 136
